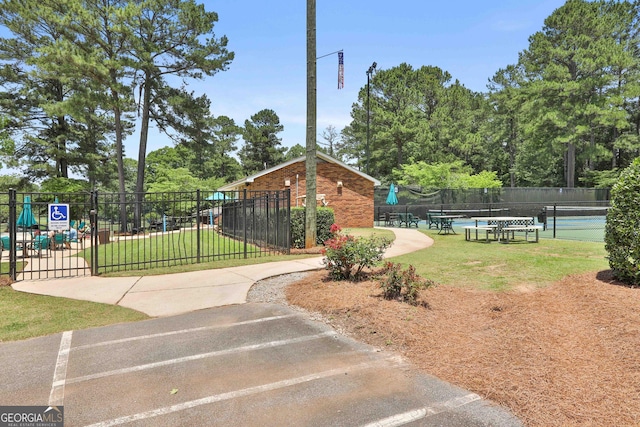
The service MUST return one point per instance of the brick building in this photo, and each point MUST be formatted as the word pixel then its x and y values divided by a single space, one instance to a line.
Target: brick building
pixel 346 190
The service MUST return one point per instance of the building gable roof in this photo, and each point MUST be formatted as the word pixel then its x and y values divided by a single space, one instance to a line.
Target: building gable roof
pixel 249 179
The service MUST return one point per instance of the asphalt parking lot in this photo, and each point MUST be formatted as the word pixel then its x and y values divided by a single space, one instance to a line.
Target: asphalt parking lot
pixel 240 365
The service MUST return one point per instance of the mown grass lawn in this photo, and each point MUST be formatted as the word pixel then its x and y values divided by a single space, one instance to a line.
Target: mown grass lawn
pixel 499 266
pixel 27 315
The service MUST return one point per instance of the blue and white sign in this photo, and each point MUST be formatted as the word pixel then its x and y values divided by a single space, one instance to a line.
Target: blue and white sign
pixel 58 216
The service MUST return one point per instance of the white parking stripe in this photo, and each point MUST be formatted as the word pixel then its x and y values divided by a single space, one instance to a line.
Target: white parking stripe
pixel 200 356
pixel 181 331
pixel 417 414
pixel 240 393
pixel 461 401
pixel 56 397
pixel 400 419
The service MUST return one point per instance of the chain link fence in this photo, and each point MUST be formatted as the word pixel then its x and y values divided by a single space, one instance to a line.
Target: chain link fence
pixel 561 212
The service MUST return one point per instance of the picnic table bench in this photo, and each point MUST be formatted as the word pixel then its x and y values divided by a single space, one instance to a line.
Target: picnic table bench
pixel 521 225
pixel 489 228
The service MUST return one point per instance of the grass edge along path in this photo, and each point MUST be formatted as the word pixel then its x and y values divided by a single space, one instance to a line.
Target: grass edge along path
pixel 27 315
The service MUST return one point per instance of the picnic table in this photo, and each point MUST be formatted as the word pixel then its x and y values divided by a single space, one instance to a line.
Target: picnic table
pixel 503 227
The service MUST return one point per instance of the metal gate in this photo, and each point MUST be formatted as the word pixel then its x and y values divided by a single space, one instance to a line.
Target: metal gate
pixel 32 251
pixel 110 232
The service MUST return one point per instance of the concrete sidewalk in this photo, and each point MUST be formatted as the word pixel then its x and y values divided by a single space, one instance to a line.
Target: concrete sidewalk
pixel 171 294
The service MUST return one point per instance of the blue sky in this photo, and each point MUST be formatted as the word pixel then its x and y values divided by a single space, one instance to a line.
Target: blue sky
pixel 471 39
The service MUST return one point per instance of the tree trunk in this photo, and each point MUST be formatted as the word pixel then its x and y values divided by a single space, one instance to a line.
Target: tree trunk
pixel 512 154
pixel 142 150
pixel 571 165
pixel 120 159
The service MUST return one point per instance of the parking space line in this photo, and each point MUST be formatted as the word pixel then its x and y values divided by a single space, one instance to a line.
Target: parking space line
pixel 56 397
pixel 417 414
pixel 200 356
pixel 241 393
pixel 181 331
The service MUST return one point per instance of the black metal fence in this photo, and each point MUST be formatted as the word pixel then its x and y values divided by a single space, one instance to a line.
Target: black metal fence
pixel 260 218
pixel 142 231
pixel 23 216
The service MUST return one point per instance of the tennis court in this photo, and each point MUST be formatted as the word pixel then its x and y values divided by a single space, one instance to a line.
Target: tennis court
pixel 563 222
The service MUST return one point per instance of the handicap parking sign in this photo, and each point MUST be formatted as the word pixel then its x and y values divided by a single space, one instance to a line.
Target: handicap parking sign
pixel 58 216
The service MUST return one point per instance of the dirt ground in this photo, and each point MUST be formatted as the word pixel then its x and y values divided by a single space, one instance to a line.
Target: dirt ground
pixel 565 355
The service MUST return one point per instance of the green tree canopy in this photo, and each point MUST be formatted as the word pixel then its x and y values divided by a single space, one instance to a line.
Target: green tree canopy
pixel 262 148
pixel 454 175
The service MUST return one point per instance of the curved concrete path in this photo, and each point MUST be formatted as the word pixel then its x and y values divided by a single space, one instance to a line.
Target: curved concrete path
pixel 171 294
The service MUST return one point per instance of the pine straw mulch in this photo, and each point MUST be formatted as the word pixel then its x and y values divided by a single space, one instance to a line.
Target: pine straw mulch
pixel 565 355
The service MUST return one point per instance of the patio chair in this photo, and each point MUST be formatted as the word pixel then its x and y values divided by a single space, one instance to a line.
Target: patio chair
pixel 59 241
pixel 402 219
pixel 432 221
pixel 5 242
pixel 412 220
pixel 390 219
pixel 40 243
pixel 73 236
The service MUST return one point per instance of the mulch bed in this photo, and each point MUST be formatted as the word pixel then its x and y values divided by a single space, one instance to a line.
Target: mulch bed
pixel 565 355
pixel 300 251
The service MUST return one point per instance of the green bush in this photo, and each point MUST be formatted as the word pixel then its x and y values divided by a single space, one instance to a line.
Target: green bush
pixel 346 255
pixel 324 219
pixel 622 230
pixel 402 285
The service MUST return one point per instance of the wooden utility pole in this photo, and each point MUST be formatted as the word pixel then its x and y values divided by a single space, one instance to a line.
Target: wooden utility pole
pixel 311 211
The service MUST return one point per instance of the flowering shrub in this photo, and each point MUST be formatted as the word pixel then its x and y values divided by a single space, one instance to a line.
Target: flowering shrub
pixel 346 255
pixel 402 285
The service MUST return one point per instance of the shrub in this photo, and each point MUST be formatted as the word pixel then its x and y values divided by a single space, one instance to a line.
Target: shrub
pixel 402 285
pixel 297 227
pixel 324 219
pixel 346 255
pixel 622 230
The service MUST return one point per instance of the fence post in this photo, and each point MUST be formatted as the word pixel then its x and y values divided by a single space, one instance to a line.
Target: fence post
pixel 276 237
pixel 554 220
pixel 198 207
pixel 244 220
pixel 13 267
pixel 93 220
pixel 288 224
